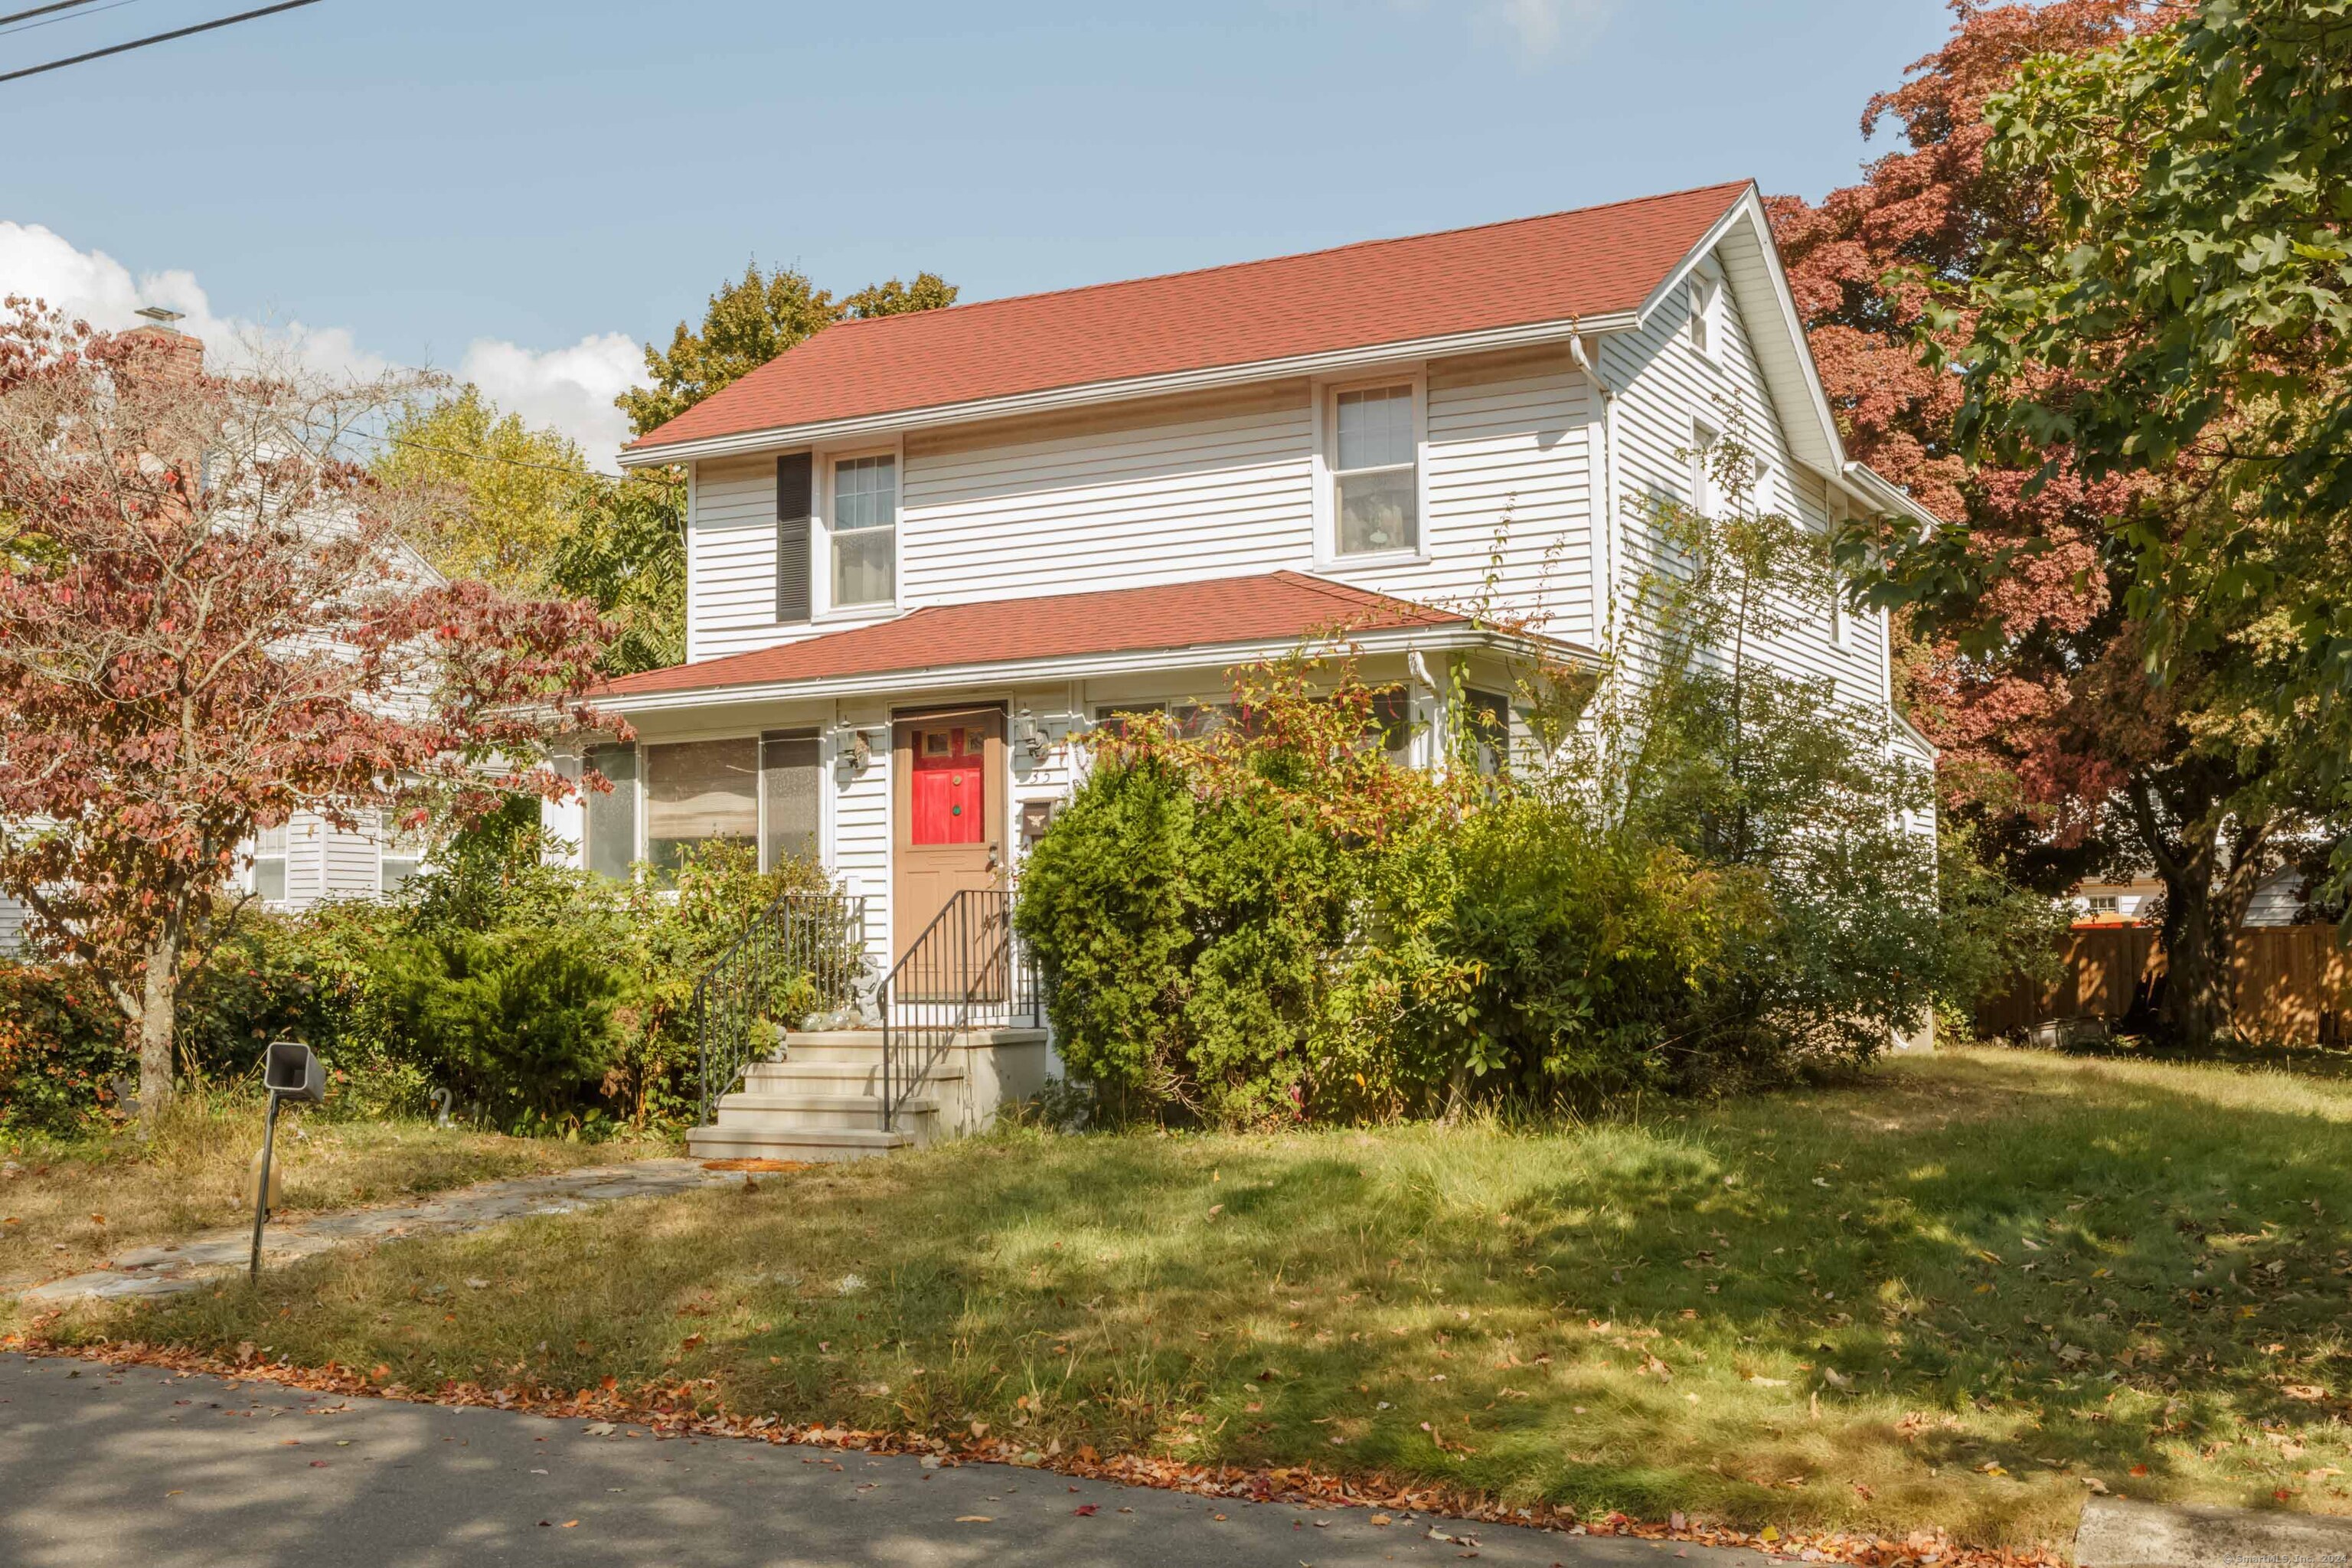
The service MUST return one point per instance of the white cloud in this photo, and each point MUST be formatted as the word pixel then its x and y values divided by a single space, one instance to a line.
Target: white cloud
pixel 1534 29
pixel 1540 27
pixel 569 388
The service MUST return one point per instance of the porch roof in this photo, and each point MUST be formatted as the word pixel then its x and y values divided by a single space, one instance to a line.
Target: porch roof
pixel 1269 610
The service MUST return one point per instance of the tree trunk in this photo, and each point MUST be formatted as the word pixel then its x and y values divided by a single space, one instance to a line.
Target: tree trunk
pixel 2209 880
pixel 2196 1010
pixel 159 1006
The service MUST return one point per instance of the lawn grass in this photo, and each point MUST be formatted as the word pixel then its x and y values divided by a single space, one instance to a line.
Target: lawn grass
pixel 65 1206
pixel 1949 1293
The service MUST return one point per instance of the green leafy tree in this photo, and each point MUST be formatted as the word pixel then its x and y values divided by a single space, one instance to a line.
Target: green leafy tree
pixel 749 323
pixel 510 491
pixel 2180 319
pixel 625 551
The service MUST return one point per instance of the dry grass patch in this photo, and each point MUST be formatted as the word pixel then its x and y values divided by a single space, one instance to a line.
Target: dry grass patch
pixel 65 1207
pixel 1959 1292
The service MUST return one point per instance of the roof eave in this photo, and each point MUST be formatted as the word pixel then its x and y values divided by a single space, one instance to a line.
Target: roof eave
pixel 1441 637
pixel 747 443
pixel 1888 497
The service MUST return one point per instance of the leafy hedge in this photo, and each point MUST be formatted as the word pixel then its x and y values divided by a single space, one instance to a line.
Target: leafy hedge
pixel 1698 875
pixel 539 998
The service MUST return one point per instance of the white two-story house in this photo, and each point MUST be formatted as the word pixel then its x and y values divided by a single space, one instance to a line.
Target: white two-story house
pixel 928 553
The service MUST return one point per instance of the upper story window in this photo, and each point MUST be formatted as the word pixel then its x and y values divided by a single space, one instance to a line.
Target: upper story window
pixel 864 530
pixel 1376 472
pixel 1706 314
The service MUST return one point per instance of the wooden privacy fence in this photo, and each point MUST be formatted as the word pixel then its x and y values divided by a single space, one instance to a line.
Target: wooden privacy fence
pixel 2293 984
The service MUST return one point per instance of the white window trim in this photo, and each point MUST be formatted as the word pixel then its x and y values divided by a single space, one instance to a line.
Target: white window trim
pixel 1324 430
pixel 828 755
pixel 1841 623
pixel 820 604
pixel 382 835
pixel 285 857
pixel 1703 439
pixel 1705 319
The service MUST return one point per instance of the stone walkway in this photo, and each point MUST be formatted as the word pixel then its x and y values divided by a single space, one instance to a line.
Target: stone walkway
pixel 172 1267
pixel 2119 1534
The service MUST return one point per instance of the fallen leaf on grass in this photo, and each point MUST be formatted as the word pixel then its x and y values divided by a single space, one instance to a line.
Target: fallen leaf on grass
pixel 2303 1391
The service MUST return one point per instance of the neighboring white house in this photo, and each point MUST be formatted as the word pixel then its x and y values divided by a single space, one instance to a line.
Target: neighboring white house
pixel 308 860
pixel 926 553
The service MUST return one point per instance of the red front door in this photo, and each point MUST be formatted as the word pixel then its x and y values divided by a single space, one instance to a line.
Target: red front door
pixel 948 827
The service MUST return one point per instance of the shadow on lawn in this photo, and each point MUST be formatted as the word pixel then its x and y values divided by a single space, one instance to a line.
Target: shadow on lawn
pixel 2056 1269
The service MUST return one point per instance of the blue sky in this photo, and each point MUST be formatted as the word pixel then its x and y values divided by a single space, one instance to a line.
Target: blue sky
pixel 517 189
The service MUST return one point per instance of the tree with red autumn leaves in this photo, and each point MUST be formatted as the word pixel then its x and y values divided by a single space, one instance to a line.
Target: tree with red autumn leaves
pixel 208 619
pixel 2025 663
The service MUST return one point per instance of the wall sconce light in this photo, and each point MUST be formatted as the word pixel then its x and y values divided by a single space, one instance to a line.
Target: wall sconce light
pixel 851 749
pixel 1031 735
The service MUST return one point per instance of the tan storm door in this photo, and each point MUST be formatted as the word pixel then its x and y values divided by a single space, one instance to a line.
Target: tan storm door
pixel 946 813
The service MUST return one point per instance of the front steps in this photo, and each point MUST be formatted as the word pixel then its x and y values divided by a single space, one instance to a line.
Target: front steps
pixel 823 1100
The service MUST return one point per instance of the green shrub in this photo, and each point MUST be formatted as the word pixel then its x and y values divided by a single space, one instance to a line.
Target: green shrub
pixel 62 1042
pixel 518 1022
pixel 1103 905
pixel 1709 875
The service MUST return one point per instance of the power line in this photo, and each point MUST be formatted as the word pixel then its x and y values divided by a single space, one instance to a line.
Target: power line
pixel 28 27
pixel 42 10
pixel 158 38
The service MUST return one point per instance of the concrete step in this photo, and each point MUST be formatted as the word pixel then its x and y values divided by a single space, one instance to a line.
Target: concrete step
pixel 808 1143
pixel 787 1112
pixel 832 1077
pixel 833 1044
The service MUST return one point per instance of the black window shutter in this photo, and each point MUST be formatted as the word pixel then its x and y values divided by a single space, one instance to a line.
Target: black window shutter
pixel 793 479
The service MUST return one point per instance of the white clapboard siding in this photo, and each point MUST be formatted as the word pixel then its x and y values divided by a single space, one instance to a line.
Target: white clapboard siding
pixel 861 825
pixel 732 561
pixel 1508 437
pixel 12 925
pixel 1665 387
pixel 1178 492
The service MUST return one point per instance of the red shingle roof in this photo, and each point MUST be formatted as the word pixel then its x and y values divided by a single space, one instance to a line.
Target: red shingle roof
pixel 1277 606
pixel 1590 262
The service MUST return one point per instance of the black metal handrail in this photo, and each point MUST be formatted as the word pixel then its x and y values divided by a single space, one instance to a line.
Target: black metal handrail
pixel 966 971
pixel 802 955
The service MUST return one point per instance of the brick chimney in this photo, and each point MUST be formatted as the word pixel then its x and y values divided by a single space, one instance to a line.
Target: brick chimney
pixel 184 357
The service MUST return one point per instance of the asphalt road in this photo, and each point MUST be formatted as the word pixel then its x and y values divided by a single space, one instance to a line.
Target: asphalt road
pixel 107 1465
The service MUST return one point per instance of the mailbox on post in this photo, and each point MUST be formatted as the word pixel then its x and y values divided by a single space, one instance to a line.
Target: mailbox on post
pixel 290 1070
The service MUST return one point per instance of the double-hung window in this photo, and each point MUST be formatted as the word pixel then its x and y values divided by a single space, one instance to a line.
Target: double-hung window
pixel 269 864
pixel 1375 471
pixel 864 529
pixel 399 855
